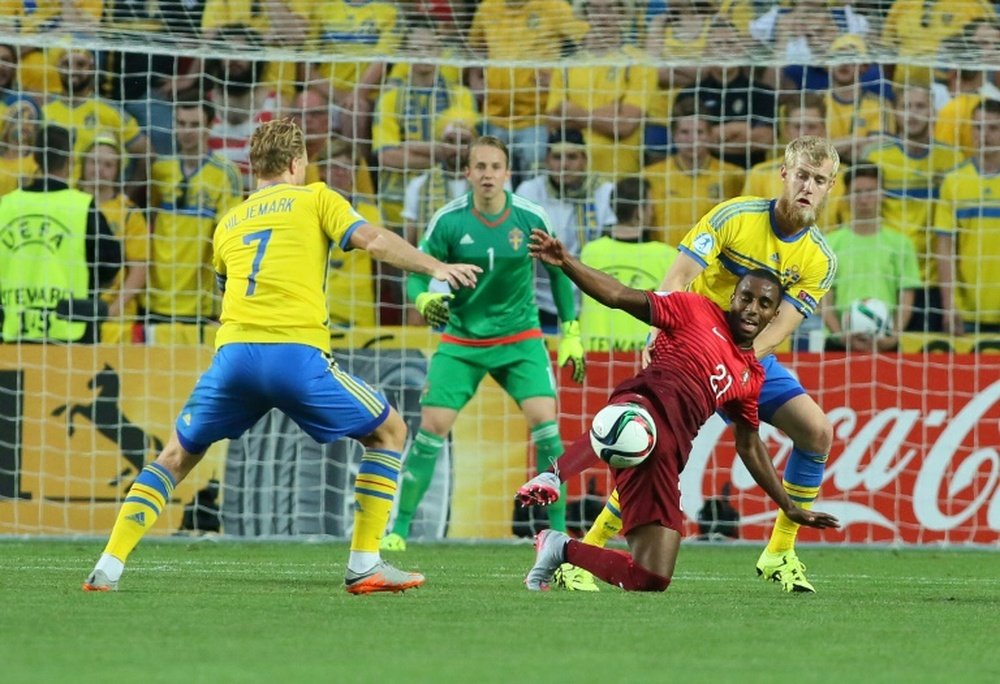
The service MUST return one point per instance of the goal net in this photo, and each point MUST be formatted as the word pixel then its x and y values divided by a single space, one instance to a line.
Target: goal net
pixel 696 100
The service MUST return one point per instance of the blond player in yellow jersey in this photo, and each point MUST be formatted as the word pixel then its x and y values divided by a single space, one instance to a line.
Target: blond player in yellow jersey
pixel 273 351
pixel 780 235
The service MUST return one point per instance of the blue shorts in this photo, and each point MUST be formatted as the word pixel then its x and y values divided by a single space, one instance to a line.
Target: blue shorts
pixel 779 387
pixel 245 381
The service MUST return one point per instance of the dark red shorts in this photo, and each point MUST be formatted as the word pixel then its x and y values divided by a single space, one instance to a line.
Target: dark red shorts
pixel 650 492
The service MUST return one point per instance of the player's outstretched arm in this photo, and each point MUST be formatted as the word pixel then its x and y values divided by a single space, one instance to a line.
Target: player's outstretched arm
pixel 600 286
pixel 754 455
pixel 386 246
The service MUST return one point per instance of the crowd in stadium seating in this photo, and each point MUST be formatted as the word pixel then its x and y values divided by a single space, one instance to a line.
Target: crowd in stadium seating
pixel 662 90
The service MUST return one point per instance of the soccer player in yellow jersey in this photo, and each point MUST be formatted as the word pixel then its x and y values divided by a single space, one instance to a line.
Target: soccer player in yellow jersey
pixel 967 220
pixel 780 235
pixel 100 175
pixel 189 193
pixel 690 181
pixel 273 351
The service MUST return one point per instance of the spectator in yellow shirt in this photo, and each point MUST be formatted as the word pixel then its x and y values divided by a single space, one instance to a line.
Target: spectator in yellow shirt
pixel 854 116
pixel 350 284
pixel 918 27
pixel 403 136
pixel 515 97
pixel 83 113
pixel 606 102
pixel 101 176
pixel 18 129
pixel 685 185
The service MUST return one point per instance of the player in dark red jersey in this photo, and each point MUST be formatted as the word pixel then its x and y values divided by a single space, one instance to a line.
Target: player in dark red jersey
pixel 704 362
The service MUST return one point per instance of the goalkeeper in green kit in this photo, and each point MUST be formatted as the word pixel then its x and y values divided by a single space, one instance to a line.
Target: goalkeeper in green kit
pixel 492 328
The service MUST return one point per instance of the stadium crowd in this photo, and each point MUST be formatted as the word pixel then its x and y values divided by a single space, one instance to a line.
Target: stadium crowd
pixel 694 98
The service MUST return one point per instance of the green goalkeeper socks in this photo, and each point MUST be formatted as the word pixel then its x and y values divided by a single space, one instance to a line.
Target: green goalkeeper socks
pixel 548 448
pixel 418 471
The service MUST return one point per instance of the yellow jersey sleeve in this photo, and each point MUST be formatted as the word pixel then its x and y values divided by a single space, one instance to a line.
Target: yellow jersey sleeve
pixel 815 277
pixel 337 217
pixel 704 242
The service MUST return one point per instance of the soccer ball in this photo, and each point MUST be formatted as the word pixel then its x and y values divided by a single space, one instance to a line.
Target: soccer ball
pixel 868 316
pixel 623 435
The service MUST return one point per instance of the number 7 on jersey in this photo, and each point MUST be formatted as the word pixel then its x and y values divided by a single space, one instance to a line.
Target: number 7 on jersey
pixel 260 237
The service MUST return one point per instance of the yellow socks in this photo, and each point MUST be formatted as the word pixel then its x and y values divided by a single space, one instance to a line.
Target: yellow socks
pixel 607 525
pixel 374 492
pixel 143 504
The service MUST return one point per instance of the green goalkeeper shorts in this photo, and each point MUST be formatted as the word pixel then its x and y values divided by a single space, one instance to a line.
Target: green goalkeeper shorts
pixel 522 368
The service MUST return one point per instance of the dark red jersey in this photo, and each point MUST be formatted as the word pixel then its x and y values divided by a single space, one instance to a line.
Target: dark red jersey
pixel 696 366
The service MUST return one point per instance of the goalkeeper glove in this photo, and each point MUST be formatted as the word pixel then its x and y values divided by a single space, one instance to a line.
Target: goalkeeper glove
pixel 571 349
pixel 433 306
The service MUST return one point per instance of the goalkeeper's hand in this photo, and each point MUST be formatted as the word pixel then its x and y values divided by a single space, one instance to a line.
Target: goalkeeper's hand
pixel 433 306
pixel 571 349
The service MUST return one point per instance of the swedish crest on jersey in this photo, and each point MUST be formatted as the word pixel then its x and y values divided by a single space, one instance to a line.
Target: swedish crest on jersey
pixel 516 238
pixel 791 275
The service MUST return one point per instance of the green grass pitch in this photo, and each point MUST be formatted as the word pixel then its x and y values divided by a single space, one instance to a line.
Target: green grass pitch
pixel 276 612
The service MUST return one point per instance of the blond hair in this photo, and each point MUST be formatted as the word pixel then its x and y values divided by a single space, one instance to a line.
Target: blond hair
pixel 812 149
pixel 494 142
pixel 274 145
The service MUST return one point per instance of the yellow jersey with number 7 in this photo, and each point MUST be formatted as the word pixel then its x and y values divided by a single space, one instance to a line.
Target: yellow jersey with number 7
pixel 271 259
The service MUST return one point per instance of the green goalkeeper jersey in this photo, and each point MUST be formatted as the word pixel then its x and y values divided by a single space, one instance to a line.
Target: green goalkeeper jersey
pixel 503 301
